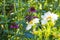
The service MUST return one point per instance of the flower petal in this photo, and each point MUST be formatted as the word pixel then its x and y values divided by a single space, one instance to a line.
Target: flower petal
pixel 29 26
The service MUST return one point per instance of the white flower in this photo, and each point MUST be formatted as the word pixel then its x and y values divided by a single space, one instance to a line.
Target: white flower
pixel 31 23
pixel 54 16
pixel 36 20
pixel 29 26
pixel 48 16
pixel 43 22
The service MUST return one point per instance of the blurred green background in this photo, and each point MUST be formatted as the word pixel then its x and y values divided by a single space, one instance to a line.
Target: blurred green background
pixel 20 10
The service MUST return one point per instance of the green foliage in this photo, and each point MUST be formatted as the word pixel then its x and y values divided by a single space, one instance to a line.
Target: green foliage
pixel 20 8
